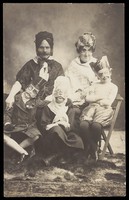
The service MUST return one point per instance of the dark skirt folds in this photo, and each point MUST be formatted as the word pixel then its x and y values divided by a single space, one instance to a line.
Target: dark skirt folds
pixel 71 139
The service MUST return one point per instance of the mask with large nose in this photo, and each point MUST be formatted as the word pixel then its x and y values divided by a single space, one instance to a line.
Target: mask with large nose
pixel 105 75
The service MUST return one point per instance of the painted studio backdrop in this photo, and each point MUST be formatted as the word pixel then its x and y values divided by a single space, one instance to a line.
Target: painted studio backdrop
pixel 21 21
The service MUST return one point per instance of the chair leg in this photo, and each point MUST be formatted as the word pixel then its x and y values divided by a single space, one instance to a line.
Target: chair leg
pixel 107 138
pixel 109 146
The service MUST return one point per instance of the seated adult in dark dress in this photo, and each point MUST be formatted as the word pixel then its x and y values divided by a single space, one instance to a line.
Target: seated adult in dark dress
pixel 35 80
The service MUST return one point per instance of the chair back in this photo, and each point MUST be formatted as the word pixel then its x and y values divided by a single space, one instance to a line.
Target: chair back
pixel 116 107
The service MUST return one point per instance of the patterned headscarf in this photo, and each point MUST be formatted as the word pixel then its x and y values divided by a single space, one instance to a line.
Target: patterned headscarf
pixel 88 40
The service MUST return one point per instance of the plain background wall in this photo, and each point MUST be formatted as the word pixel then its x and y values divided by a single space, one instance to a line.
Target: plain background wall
pixel 21 21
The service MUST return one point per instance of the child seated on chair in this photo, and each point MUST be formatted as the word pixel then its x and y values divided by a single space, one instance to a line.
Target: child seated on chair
pixel 100 96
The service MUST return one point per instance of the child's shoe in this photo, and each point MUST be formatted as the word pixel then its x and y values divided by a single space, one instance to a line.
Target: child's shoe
pixel 22 158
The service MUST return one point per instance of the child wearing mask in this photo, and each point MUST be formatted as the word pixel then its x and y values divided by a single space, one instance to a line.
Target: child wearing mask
pixel 55 124
pixel 98 114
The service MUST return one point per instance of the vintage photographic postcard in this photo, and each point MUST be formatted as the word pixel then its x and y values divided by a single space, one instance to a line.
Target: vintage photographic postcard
pixel 54 146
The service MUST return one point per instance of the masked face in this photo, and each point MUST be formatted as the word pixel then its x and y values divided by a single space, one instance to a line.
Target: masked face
pixel 59 99
pixel 31 92
pixel 44 50
pixel 85 54
pixel 105 77
pixel 59 95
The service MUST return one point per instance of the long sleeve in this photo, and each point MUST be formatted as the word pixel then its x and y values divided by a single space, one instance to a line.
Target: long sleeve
pixel 46 118
pixel 111 96
pixel 104 94
pixel 91 95
pixel 24 75
pixel 15 88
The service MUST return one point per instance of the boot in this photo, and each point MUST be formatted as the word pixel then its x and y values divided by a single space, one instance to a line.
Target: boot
pixel 8 127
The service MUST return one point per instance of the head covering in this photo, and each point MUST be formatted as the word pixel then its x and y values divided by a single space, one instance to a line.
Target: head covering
pixel 60 90
pixel 61 87
pixel 101 66
pixel 104 62
pixel 39 37
pixel 105 69
pixel 88 40
pixel 104 65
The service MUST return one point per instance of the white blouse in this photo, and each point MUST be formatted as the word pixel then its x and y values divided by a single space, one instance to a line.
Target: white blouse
pixel 80 75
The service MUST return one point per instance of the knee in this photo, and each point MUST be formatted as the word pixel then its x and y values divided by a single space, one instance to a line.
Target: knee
pixel 56 129
pixel 84 125
pixel 96 126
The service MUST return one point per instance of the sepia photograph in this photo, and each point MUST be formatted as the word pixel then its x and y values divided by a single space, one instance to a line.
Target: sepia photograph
pixel 64 129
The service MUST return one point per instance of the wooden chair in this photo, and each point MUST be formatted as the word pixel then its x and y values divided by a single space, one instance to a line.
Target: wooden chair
pixel 107 132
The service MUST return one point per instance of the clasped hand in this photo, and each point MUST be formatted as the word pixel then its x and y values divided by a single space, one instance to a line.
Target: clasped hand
pixel 65 124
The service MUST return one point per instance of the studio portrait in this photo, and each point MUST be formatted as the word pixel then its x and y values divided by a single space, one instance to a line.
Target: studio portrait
pixel 64 100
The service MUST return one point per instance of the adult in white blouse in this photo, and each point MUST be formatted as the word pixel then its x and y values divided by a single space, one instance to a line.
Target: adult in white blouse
pixel 81 71
pixel 81 74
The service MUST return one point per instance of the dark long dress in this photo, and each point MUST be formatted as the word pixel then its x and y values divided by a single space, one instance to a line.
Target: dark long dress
pixel 29 73
pixel 57 138
pixel 23 118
